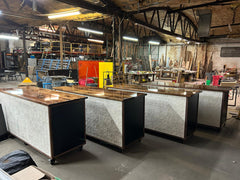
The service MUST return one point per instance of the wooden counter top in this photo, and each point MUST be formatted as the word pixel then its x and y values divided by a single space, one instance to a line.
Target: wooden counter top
pixel 189 86
pixel 42 96
pixel 159 90
pixel 100 93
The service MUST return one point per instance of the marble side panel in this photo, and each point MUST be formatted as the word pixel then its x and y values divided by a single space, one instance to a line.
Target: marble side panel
pixel 27 120
pixel 165 114
pixel 104 120
pixel 209 109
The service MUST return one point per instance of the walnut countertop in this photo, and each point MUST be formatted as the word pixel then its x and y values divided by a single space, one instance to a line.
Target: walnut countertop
pixel 159 90
pixel 189 86
pixel 100 93
pixel 42 96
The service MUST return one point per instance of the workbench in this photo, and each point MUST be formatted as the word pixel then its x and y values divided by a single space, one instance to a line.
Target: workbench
pixel 168 111
pixel 213 102
pixel 139 77
pixel 112 117
pixel 51 122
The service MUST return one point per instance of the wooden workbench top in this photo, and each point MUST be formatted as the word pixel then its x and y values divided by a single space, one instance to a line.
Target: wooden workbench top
pixel 159 90
pixel 42 96
pixel 100 93
pixel 189 86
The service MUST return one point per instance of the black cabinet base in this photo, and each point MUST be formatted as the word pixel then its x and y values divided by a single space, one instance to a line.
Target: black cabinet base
pixel 206 127
pixel 4 137
pixel 106 144
pixel 166 136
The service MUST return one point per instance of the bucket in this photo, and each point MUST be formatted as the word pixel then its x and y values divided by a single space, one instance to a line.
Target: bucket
pixel 208 82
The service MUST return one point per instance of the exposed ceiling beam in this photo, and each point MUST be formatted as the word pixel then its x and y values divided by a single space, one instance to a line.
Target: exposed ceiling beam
pixel 87 5
pixel 220 2
pixel 39 8
pixel 20 15
pixel 111 4
pixel 236 24
pixel 224 35
pixel 164 9
pixel 10 22
pixel 154 28
pixel 122 14
pixel 6 3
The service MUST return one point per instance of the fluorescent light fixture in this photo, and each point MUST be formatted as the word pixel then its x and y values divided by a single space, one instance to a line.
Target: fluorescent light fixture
pixel 90 30
pixel 8 37
pixel 154 42
pixel 96 41
pixel 63 14
pixel 130 38
pixel 178 38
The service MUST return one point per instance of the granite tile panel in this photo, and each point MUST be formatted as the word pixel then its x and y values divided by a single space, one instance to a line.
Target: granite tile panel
pixel 165 114
pixel 27 120
pixel 104 120
pixel 209 109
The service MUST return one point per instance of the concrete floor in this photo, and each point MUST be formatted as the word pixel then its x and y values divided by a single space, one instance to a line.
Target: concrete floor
pixel 207 155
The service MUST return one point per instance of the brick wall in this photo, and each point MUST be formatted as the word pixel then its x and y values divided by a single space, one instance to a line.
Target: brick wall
pixel 219 62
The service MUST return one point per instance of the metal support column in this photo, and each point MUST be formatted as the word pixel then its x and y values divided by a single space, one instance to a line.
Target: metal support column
pixel 120 44
pixel 106 46
pixel 114 45
pixel 25 52
pixel 61 48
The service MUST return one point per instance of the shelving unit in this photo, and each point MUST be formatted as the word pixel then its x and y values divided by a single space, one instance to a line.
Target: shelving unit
pixel 47 64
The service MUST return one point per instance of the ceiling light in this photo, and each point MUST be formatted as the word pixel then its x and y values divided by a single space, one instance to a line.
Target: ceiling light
pixel 0 12
pixel 63 14
pixel 96 41
pixel 154 42
pixel 178 38
pixel 8 37
pixel 130 38
pixel 90 30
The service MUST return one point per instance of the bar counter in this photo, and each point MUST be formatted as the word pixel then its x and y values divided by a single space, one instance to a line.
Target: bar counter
pixel 112 117
pixel 168 111
pixel 49 121
pixel 213 102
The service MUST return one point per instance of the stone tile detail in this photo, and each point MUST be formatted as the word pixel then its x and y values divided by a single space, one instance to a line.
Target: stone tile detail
pixel 27 120
pixel 104 120
pixel 209 109
pixel 165 114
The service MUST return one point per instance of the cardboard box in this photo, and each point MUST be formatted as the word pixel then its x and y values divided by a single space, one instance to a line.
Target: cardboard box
pixel 29 173
pixel 32 173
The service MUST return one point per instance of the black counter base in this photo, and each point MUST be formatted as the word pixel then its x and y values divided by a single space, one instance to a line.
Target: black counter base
pixel 206 127
pixel 166 136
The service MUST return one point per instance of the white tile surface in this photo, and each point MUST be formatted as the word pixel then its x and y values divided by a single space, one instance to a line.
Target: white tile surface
pixel 104 120
pixel 165 114
pixel 27 120
pixel 209 110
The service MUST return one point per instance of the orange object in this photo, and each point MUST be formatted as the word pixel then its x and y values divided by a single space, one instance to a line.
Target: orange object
pixel 92 66
pixel 27 80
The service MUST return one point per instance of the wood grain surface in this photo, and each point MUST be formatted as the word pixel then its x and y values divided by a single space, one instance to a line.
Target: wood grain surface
pixel 100 93
pixel 41 96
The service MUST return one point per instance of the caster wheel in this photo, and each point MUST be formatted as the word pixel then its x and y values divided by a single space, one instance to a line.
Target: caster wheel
pixel 80 148
pixel 26 144
pixel 11 136
pixel 52 161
